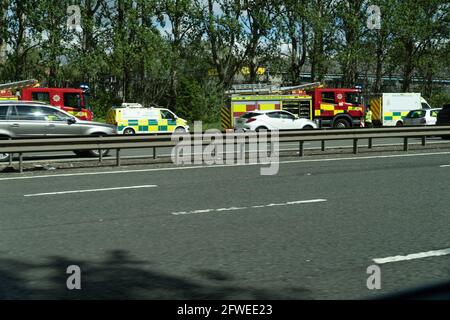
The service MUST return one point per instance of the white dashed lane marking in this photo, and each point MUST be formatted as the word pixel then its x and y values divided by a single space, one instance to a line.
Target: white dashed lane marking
pixel 248 207
pixel 89 190
pixel 413 256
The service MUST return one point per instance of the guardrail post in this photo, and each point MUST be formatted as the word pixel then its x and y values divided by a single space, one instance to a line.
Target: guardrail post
pixel 424 141
pixel 370 143
pixel 300 148
pixel 11 156
pixel 118 157
pixel 323 145
pixel 154 152
pixel 355 146
pixel 100 155
pixel 405 144
pixel 20 162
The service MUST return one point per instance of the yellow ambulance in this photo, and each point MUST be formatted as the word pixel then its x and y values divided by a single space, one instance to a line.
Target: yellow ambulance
pixel 133 118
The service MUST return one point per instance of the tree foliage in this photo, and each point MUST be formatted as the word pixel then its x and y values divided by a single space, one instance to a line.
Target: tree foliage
pixel 184 54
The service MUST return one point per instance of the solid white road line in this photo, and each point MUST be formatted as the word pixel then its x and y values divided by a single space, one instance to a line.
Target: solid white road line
pixel 89 190
pixel 413 256
pixel 445 166
pixel 225 165
pixel 248 207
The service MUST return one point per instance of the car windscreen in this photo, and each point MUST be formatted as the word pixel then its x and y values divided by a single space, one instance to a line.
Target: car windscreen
pixel 416 114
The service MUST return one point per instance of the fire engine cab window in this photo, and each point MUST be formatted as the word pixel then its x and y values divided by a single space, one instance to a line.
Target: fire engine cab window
pixel 3 112
pixel 41 96
pixel 351 98
pixel 72 100
pixel 328 97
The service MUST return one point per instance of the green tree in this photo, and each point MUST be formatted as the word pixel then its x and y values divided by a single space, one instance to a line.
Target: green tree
pixel 412 41
pixel 293 31
pixel 320 16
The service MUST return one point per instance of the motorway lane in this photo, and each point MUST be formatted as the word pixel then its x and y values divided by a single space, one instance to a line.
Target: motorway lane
pixel 49 157
pixel 131 245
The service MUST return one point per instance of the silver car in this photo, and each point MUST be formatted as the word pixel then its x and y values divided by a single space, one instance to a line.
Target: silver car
pixel 421 117
pixel 31 119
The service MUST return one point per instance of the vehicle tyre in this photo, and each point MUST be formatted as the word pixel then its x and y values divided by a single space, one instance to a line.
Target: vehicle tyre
pixel 95 153
pixel 4 157
pixel 341 123
pixel 92 153
pixel 399 124
pixel 81 153
pixel 307 127
pixel 180 130
pixel 261 129
pixel 129 131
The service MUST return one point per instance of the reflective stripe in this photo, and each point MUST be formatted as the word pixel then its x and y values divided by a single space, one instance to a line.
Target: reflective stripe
pixel 375 107
pixel 393 116
pixel 225 118
pixel 327 107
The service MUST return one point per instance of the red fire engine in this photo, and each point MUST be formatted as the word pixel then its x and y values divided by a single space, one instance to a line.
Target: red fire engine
pixel 330 107
pixel 73 101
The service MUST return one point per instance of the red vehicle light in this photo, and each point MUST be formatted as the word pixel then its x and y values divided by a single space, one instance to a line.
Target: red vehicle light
pixel 250 120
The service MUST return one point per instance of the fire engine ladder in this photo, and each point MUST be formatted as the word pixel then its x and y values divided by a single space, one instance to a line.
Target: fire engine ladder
pixel 267 89
pixel 18 85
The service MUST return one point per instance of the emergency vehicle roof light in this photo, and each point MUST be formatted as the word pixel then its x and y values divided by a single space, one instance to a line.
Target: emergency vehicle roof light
pixel 131 105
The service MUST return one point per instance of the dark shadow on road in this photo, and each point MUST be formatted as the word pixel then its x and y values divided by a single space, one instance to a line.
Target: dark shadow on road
pixel 120 276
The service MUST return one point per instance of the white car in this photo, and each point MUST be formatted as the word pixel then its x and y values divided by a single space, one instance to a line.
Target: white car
pixel 421 117
pixel 272 120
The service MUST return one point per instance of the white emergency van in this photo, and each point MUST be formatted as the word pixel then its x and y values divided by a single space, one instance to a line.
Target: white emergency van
pixel 389 109
pixel 132 118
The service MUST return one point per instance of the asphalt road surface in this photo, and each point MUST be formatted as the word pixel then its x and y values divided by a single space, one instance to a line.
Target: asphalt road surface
pixel 226 232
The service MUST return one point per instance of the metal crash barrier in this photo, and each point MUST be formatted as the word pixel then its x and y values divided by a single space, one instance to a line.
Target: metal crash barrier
pixel 22 146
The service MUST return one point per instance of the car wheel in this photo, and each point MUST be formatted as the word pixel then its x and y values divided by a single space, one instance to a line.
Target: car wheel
pixel 399 124
pixel 81 153
pixel 341 124
pixel 307 127
pixel 92 153
pixel 4 157
pixel 129 131
pixel 261 129
pixel 180 130
pixel 96 153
